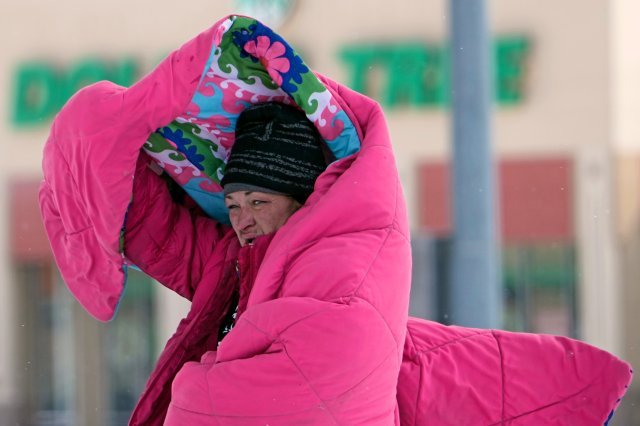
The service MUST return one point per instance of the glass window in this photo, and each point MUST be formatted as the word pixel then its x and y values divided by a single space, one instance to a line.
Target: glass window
pixel 540 282
pixel 77 370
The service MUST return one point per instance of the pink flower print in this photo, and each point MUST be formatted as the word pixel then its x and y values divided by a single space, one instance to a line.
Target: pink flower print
pixel 270 56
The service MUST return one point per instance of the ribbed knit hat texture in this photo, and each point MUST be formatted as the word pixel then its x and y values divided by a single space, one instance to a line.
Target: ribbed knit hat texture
pixel 277 149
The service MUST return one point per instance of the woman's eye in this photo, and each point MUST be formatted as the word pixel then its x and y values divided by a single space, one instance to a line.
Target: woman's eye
pixel 257 202
pixel 232 206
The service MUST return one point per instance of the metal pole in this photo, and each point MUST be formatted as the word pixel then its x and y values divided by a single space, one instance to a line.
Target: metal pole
pixel 476 291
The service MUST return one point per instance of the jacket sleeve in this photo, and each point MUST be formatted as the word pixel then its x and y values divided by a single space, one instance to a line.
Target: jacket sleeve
pixel 294 360
pixel 167 241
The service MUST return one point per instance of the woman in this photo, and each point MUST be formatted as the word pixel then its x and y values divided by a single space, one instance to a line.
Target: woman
pixel 321 334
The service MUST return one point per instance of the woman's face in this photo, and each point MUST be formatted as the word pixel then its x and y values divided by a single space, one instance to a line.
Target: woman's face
pixel 258 213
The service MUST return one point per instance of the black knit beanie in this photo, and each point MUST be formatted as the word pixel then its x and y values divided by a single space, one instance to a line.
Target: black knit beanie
pixel 277 149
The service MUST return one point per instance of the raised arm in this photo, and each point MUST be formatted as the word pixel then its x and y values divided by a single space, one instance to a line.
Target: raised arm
pixel 167 241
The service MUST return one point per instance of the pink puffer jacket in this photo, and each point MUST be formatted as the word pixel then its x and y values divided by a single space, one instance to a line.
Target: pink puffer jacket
pixel 324 338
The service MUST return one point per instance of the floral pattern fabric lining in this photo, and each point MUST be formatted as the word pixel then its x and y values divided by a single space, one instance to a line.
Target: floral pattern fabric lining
pixel 249 64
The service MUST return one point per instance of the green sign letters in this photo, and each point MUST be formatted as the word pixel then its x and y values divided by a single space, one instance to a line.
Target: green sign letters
pixel 40 89
pixel 417 75
pixel 397 74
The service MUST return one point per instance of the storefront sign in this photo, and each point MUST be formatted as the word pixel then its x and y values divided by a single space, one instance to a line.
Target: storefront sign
pixel 40 89
pixel 409 74
pixel 417 75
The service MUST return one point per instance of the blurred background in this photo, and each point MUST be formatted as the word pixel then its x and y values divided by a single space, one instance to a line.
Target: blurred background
pixel 565 134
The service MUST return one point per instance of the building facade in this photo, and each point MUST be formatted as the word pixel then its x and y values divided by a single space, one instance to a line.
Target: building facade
pixel 567 154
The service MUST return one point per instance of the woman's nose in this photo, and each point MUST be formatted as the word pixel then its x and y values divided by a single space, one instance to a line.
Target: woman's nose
pixel 245 219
